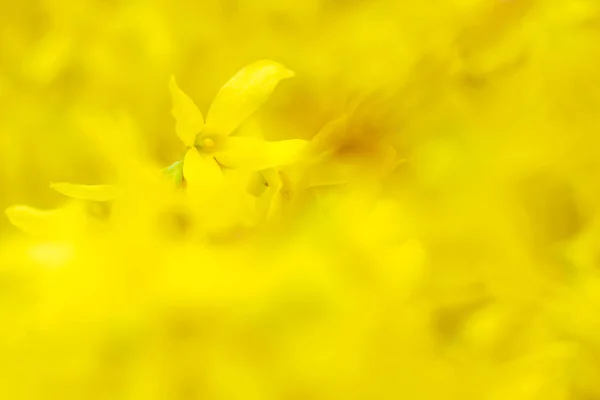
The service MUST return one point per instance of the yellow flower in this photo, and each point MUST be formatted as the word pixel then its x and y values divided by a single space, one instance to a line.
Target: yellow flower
pixel 210 144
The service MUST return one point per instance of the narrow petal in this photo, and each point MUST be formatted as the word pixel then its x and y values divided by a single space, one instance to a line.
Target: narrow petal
pixel 28 219
pixel 330 137
pixel 86 192
pixel 278 195
pixel 46 222
pixel 245 93
pixel 187 115
pixel 257 154
pixel 201 173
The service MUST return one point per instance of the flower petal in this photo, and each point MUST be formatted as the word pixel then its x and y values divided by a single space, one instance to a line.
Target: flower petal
pixel 256 154
pixel 257 185
pixel 251 128
pixel 330 137
pixel 201 173
pixel 278 194
pixel 187 115
pixel 86 192
pixel 57 222
pixel 245 93
pixel 28 219
pixel 330 174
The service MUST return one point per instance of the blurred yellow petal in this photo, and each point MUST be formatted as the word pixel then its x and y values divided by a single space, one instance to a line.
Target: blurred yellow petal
pixel 245 93
pixel 330 136
pixel 201 173
pixel 86 192
pixel 331 174
pixel 257 184
pixel 273 179
pixel 46 222
pixel 29 219
pixel 187 115
pixel 277 195
pixel 257 154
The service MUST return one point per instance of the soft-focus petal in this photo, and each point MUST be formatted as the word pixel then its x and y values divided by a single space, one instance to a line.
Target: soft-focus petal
pixel 86 192
pixel 257 154
pixel 330 137
pixel 273 179
pixel 245 93
pixel 187 115
pixel 37 222
pixel 29 219
pixel 257 184
pixel 279 192
pixel 201 173
pixel 331 174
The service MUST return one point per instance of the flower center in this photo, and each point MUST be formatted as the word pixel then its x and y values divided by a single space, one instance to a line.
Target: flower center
pixel 208 143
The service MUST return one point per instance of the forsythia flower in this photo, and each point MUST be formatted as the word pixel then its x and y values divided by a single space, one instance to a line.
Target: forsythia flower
pixel 210 144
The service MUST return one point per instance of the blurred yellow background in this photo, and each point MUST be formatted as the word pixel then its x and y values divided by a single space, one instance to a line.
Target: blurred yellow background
pixel 472 274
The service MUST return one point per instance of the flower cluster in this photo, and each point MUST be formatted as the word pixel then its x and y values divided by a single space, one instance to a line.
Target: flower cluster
pixel 412 213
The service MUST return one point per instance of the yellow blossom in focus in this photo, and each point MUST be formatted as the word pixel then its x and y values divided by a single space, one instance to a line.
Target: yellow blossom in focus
pixel 210 145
